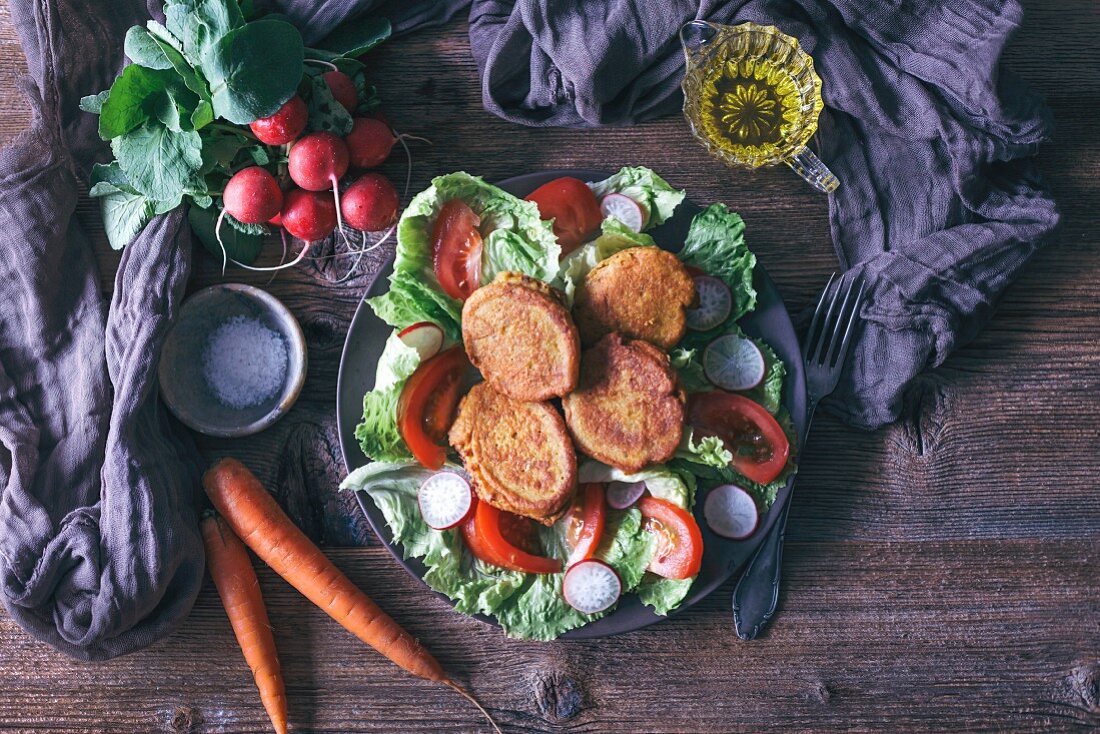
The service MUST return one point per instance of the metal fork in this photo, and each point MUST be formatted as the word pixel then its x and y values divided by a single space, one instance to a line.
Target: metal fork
pixel 824 351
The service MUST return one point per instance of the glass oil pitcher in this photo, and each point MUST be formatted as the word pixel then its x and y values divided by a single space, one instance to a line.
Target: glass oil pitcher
pixel 752 97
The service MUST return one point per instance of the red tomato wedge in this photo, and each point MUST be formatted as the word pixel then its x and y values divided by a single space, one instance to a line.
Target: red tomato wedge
pixel 456 249
pixel 477 546
pixel 759 446
pixel 572 206
pixel 679 552
pixel 586 521
pixel 491 541
pixel 426 407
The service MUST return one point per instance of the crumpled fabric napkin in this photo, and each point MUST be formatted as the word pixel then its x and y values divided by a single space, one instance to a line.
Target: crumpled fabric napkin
pixel 100 551
pixel 939 206
pixel 99 545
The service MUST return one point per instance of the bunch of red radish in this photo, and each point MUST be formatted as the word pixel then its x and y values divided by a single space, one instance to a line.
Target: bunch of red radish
pixel 313 208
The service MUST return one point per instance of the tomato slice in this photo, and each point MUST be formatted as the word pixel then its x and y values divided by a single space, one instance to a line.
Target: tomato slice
pixel 488 528
pixel 520 534
pixel 585 523
pixel 679 553
pixel 456 249
pixel 426 407
pixel 759 446
pixel 572 206
pixel 477 546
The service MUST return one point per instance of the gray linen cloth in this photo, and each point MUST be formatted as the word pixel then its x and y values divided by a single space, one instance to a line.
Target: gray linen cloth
pixel 99 548
pixel 939 206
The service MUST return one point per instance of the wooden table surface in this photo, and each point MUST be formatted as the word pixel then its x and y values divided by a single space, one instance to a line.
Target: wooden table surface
pixel 941 574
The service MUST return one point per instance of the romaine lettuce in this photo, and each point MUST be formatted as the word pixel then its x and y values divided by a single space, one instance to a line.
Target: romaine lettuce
pixel 645 187
pixel 377 433
pixel 678 487
pixel 515 239
pixel 527 606
pixel 715 244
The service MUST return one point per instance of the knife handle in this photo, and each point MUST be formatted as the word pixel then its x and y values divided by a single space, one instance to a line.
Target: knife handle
pixel 757 592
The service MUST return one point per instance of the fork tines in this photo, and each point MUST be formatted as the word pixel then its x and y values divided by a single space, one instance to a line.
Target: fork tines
pixel 831 328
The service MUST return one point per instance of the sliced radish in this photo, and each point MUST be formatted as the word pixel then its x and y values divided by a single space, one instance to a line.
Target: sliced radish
pixel 591 586
pixel 622 495
pixel 425 337
pixel 625 209
pixel 733 362
pixel 445 500
pixel 715 304
pixel 731 512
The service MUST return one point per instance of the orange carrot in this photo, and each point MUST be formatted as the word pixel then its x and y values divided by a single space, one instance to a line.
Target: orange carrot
pixel 232 571
pixel 257 519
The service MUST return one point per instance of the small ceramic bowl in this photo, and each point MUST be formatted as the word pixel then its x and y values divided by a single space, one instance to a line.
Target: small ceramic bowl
pixel 185 389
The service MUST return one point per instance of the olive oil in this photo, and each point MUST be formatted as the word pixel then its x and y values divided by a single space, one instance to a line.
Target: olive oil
pixel 748 107
pixel 752 97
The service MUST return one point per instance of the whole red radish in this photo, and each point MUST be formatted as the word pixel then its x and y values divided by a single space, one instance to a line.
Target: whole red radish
pixel 317 161
pixel 285 125
pixel 309 215
pixel 342 88
pixel 252 196
pixel 369 142
pixel 371 203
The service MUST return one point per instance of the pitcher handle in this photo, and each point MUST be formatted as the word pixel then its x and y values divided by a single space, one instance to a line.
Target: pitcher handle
pixel 817 174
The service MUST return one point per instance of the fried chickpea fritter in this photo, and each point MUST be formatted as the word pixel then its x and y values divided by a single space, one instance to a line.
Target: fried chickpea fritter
pixel 521 337
pixel 627 410
pixel 640 292
pixel 518 454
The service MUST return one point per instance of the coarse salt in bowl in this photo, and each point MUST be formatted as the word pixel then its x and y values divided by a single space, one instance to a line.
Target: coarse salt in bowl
pixel 233 363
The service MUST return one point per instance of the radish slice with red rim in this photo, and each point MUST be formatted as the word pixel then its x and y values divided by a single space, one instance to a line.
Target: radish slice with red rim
pixel 733 362
pixel 445 500
pixel 731 512
pixel 715 304
pixel 622 495
pixel 625 209
pixel 425 337
pixel 591 586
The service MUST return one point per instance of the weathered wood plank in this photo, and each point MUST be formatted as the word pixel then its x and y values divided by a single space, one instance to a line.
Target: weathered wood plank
pixel 942 573
pixel 873 636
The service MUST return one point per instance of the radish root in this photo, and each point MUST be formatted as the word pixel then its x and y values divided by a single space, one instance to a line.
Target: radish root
pixel 333 67
pixel 469 697
pixel 218 237
pixel 361 251
pixel 284 266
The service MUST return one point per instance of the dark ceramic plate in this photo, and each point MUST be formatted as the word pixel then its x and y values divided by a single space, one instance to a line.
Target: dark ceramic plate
pixel 722 557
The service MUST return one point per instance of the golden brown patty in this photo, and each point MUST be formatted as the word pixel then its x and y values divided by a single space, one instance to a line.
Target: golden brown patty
pixel 521 337
pixel 640 292
pixel 518 454
pixel 627 410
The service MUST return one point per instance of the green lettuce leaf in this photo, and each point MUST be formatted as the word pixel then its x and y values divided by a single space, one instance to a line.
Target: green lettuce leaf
pixel 707 451
pixel 540 612
pixel 645 187
pixel 708 461
pixel 528 606
pixel 715 244
pixel 667 483
pixel 664 595
pixel 769 392
pixel 689 368
pixel 514 238
pixel 476 587
pixel 377 433
pixel 615 237
pixel 686 359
